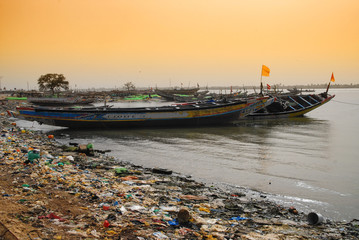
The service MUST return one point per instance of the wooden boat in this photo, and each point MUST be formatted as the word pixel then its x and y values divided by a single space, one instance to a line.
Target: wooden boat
pixel 291 105
pixel 168 94
pixel 189 114
pixel 199 96
pixel 59 101
pixel 299 91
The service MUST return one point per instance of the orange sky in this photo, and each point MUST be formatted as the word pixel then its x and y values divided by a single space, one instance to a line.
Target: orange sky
pixel 106 43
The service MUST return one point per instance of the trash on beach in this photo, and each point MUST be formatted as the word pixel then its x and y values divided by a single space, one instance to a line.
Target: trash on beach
pixel 68 195
pixel 315 218
pixel 32 155
pixel 162 171
pixel 239 218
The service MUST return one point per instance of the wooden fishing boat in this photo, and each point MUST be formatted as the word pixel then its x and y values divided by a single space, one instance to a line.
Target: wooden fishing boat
pixel 291 105
pixel 299 91
pixel 191 114
pixel 199 96
pixel 169 94
pixel 60 101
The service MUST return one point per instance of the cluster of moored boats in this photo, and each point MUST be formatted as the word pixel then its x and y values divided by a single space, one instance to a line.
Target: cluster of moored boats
pixel 191 113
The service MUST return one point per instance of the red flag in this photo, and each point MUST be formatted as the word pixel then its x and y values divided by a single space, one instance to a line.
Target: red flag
pixel 332 78
pixel 268 86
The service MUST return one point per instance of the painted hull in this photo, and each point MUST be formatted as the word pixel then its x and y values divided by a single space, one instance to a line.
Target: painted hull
pixel 291 106
pixel 194 114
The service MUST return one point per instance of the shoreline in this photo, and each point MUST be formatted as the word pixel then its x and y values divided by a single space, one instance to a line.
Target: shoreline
pixel 305 203
pixel 69 195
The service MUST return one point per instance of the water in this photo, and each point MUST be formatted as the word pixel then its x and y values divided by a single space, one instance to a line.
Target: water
pixel 310 163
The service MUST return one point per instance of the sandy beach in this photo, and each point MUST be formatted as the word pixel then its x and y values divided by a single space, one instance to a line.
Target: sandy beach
pixel 49 191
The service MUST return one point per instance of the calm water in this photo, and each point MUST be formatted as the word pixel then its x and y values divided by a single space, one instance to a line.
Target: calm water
pixel 311 163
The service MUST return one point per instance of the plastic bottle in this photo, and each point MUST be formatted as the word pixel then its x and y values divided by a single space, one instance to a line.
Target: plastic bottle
pixel 106 224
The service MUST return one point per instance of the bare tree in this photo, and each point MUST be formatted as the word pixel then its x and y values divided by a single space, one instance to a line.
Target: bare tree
pixel 53 82
pixel 129 86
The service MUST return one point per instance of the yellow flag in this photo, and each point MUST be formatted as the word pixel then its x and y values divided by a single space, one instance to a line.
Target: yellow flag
pixel 265 71
pixel 332 78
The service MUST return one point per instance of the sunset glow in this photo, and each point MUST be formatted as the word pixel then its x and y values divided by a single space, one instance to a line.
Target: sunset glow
pixel 165 43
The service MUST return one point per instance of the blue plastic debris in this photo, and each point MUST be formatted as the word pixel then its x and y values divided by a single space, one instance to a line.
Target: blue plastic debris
pixel 174 222
pixel 239 218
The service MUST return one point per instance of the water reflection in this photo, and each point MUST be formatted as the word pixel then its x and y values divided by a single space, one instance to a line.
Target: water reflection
pixel 256 150
pixel 250 130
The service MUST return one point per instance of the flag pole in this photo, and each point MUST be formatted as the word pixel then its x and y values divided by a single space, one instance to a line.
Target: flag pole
pixel 261 82
pixel 331 80
pixel 328 87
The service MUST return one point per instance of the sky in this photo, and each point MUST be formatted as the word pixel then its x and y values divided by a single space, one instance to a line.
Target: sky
pixel 168 43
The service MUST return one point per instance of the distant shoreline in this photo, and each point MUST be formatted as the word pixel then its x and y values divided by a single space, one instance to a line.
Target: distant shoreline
pixel 313 86
pixel 234 87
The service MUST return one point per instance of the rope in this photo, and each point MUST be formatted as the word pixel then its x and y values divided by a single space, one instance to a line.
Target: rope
pixel 345 102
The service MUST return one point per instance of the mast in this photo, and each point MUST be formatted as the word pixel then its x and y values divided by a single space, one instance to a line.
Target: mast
pixel 332 79
pixel 261 81
pixel 328 87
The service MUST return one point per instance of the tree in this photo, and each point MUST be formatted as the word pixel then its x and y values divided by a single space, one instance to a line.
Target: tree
pixel 53 82
pixel 129 86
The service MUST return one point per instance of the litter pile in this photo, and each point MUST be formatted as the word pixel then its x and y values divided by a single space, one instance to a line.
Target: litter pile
pixel 49 191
